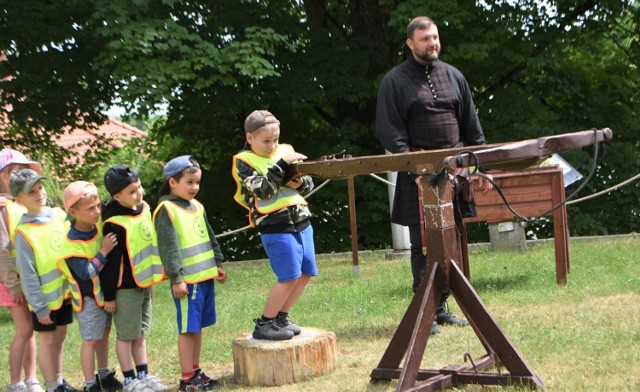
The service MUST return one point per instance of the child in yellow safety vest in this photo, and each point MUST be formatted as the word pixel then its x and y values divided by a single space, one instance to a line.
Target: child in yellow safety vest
pixel 192 258
pixel 84 254
pixel 38 238
pixel 280 213
pixel 133 267
pixel 22 351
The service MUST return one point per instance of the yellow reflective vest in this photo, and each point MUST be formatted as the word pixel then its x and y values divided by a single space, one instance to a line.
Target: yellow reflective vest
pixel 198 258
pixel 142 247
pixel 46 241
pixel 86 250
pixel 14 212
pixel 285 196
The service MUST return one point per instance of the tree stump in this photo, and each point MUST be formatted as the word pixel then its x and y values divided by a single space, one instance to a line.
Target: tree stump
pixel 267 362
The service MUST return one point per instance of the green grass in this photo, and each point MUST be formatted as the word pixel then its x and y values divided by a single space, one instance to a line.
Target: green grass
pixel 583 336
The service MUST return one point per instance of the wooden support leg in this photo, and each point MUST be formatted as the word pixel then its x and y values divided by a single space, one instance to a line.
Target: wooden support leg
pixel 488 330
pixel 419 321
pixel 354 226
pixel 464 249
pixel 414 327
pixel 560 229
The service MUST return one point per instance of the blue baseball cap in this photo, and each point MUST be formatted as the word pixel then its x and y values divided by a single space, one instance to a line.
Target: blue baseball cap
pixel 177 165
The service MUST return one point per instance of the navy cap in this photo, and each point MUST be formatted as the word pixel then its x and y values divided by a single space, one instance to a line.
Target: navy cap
pixel 119 177
pixel 177 165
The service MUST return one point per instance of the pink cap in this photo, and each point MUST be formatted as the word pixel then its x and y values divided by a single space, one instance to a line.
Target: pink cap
pixel 9 156
pixel 76 191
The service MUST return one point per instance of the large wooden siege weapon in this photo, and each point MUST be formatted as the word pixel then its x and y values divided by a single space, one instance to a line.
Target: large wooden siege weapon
pixel 444 271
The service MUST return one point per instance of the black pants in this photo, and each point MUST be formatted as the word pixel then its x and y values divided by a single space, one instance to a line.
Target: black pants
pixel 419 264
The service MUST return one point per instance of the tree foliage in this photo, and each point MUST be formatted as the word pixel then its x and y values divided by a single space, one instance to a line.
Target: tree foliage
pixel 536 68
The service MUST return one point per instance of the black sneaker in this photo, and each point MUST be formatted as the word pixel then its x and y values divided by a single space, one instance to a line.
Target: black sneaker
pixel 110 383
pixel 435 329
pixel 93 388
pixel 65 387
pixel 207 382
pixel 284 321
pixel 444 317
pixel 193 385
pixel 270 330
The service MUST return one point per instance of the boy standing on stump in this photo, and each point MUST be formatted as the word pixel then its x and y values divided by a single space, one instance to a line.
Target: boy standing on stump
pixel 281 215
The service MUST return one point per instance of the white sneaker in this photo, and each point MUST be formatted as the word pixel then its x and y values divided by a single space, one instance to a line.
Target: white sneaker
pixel 33 386
pixel 137 386
pixel 17 387
pixel 154 383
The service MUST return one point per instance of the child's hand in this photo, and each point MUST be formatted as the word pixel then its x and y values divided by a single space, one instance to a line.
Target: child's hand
pixel 110 306
pixel 222 275
pixel 294 183
pixel 20 299
pixel 293 157
pixel 3 201
pixel 109 242
pixel 46 320
pixel 180 290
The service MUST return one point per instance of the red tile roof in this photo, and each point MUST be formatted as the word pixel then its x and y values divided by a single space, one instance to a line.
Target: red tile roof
pixel 78 140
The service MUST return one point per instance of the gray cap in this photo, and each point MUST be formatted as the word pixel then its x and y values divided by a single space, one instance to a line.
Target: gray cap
pixel 23 180
pixel 258 119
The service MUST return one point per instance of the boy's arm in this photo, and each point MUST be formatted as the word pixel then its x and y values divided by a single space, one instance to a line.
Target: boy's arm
pixel 29 278
pixel 85 269
pixel 110 273
pixel 307 185
pixel 169 246
pixel 262 186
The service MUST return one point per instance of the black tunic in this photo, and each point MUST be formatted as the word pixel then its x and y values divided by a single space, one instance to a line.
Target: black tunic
pixel 423 108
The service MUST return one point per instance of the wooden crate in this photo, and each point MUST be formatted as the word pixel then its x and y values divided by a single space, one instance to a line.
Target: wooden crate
pixel 531 192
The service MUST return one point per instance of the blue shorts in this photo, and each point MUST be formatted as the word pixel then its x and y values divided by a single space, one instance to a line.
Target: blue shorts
pixel 197 309
pixel 291 255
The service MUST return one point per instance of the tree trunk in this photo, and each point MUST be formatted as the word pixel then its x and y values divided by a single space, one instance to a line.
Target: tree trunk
pixel 266 362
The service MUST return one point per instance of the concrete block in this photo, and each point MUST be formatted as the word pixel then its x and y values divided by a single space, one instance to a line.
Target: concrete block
pixel 507 236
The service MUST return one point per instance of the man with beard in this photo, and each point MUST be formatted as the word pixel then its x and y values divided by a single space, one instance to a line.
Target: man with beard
pixel 424 104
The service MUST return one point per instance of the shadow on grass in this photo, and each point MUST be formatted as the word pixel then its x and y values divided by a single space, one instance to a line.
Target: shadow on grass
pixel 401 291
pixel 494 283
pixel 355 333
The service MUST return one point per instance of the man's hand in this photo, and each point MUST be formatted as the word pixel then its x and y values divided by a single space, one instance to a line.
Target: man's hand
pixel 485 184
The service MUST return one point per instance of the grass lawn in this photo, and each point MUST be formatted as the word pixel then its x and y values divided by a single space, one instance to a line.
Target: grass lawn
pixel 583 336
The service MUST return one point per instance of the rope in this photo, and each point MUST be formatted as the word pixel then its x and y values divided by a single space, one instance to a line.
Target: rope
pixel 316 189
pixel 230 232
pixel 611 189
pixel 226 233
pixel 382 179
